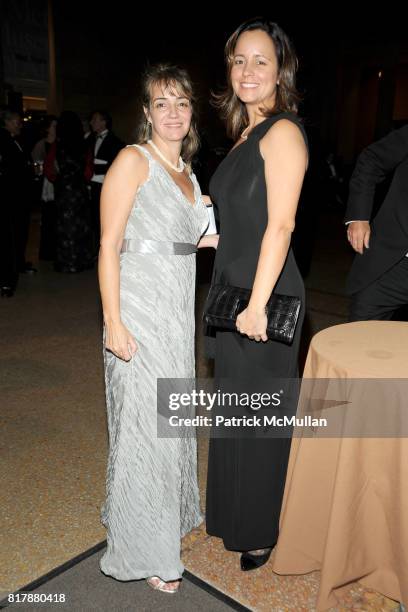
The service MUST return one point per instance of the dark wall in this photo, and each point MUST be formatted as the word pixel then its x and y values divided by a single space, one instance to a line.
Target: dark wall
pixel 102 50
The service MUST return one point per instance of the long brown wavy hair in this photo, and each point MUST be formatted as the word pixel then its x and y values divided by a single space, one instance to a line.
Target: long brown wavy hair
pixel 175 79
pixel 231 109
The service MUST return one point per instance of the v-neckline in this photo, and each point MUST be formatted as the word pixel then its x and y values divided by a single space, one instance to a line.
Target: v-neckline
pixel 248 137
pixel 235 147
pixel 192 204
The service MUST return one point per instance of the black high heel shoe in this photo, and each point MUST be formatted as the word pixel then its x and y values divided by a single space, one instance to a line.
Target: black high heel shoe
pixel 251 562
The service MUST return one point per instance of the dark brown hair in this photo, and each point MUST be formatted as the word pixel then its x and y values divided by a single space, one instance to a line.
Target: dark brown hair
pixel 232 110
pixel 178 80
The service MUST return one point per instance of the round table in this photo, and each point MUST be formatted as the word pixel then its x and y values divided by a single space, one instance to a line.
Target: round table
pixel 345 507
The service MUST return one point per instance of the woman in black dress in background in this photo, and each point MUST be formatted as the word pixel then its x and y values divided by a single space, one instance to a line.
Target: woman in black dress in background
pixel 68 165
pixel 256 190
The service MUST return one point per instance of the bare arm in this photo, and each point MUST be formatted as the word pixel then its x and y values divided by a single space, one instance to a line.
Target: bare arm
pixel 127 173
pixel 284 151
pixel 208 241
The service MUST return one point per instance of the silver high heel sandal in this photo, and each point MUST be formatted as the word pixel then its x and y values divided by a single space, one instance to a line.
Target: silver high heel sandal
pixel 157 584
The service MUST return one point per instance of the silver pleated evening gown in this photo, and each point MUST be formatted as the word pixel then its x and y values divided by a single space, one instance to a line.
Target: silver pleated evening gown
pixel 152 492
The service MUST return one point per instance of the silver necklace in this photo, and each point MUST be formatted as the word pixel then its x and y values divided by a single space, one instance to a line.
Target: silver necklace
pixel 181 164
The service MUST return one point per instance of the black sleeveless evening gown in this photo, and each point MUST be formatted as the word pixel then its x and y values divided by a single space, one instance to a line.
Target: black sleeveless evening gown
pixel 246 475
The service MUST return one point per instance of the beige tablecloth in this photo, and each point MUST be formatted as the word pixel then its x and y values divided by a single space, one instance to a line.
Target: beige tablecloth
pixel 345 508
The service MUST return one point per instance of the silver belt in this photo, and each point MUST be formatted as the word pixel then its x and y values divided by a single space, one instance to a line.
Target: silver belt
pixel 134 245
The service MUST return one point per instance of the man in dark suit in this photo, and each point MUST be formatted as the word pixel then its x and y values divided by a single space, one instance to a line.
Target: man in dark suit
pixel 378 279
pixel 104 148
pixel 16 181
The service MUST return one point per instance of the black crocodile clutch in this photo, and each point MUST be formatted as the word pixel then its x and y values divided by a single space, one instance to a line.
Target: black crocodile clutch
pixel 224 303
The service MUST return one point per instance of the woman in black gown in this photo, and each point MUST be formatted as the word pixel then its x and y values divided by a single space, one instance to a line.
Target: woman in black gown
pixel 256 190
pixel 68 166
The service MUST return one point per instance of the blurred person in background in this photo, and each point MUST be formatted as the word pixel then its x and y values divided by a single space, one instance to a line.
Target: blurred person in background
pixel 103 146
pixel 47 195
pixel 16 183
pixel 68 167
pixel 378 279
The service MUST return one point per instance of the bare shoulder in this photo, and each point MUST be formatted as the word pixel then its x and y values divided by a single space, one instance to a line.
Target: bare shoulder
pixel 132 163
pixel 131 159
pixel 283 135
pixel 284 129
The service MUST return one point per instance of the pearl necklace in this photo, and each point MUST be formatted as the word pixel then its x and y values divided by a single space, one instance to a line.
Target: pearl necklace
pixel 181 164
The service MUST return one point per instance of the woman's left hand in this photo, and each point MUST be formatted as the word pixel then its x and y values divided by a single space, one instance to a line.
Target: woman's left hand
pixel 253 324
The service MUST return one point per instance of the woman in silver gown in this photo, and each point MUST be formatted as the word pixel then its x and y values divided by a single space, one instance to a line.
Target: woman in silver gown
pixel 153 217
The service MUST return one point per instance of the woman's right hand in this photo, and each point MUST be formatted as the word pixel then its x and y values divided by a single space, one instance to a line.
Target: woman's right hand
pixel 119 341
pixel 358 234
